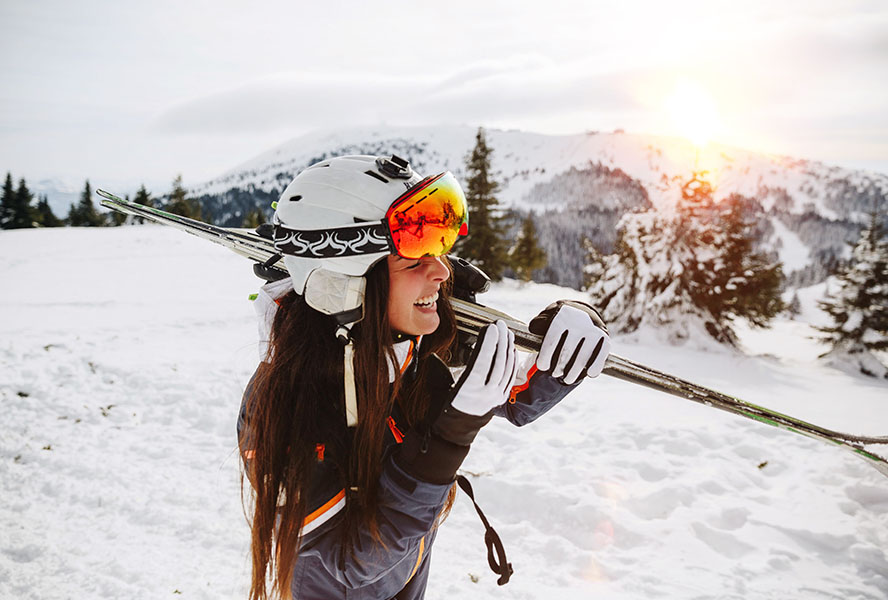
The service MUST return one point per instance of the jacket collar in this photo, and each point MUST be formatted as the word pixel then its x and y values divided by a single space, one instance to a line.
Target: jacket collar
pixel 405 348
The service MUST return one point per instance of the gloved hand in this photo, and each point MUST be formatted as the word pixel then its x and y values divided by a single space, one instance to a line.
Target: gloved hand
pixel 490 374
pixel 575 341
pixel 434 449
pixel 468 280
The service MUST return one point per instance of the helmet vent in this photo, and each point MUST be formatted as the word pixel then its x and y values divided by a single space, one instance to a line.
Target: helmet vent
pixel 376 176
pixel 296 198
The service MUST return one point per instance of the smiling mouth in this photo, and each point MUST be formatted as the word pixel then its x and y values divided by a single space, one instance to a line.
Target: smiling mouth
pixel 427 301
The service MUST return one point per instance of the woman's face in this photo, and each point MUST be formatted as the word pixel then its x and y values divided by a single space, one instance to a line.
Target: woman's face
pixel 413 291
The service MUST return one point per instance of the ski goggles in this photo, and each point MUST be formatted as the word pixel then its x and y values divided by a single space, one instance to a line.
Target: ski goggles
pixel 426 220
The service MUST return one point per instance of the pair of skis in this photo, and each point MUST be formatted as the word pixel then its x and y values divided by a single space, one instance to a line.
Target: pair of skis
pixel 472 318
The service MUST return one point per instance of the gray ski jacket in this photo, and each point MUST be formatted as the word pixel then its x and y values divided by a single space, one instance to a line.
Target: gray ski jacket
pixel 411 499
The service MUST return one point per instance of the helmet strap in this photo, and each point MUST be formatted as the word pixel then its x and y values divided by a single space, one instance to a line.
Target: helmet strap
pixel 348 368
pixel 342 297
pixel 336 294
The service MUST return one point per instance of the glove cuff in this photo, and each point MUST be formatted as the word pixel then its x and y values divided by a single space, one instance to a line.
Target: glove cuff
pixel 458 427
pixel 540 323
pixel 430 458
pixel 435 455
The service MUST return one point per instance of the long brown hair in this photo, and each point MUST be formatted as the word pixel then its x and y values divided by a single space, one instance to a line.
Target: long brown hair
pixel 297 402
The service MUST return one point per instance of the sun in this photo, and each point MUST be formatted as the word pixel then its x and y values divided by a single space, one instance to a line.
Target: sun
pixel 693 112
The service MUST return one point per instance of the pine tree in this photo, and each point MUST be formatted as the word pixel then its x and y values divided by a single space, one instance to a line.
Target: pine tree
pixel 794 308
pixel 691 274
pixel 22 213
pixel 7 201
pixel 45 216
pixel 526 256
pixel 84 214
pixel 116 219
pixel 859 307
pixel 180 204
pixel 595 267
pixel 144 198
pixel 485 245
pixel 253 219
pixel 738 281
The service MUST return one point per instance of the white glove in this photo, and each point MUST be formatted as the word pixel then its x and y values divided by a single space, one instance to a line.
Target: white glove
pixel 488 379
pixel 575 345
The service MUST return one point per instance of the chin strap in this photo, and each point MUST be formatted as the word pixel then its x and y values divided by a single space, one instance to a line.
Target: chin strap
pixel 343 334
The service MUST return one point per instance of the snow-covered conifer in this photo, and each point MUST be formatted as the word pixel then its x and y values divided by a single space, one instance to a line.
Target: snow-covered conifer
pixel 858 306
pixel 794 308
pixel 689 274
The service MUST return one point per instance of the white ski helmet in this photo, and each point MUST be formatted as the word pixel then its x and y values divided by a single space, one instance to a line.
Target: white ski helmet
pixel 330 226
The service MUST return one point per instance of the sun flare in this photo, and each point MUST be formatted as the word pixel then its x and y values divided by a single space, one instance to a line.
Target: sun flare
pixel 693 112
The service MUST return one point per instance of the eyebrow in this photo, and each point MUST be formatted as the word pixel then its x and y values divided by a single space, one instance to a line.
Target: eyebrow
pixel 401 261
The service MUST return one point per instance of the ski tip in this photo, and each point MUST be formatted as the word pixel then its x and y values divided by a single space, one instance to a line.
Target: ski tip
pixel 108 195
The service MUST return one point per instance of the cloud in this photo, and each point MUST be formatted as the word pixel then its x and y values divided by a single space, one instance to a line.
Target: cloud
pixel 523 88
pixel 284 100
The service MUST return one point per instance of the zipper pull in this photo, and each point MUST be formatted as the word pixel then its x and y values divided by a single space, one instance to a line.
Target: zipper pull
pixel 413 371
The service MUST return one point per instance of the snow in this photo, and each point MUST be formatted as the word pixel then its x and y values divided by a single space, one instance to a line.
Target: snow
pixel 124 352
pixel 793 252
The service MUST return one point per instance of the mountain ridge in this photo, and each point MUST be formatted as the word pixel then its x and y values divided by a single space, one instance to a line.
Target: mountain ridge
pixel 809 210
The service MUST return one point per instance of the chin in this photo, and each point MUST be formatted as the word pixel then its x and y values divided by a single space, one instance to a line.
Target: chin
pixel 426 326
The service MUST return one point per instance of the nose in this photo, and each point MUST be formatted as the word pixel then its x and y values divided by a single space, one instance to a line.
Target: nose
pixel 436 270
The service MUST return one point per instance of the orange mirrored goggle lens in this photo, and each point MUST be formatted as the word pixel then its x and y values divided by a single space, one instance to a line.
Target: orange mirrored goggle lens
pixel 427 219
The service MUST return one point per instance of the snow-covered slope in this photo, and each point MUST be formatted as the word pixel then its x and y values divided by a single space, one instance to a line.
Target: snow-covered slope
pixel 124 352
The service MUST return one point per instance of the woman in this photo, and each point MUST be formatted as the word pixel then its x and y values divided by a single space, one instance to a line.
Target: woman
pixel 352 428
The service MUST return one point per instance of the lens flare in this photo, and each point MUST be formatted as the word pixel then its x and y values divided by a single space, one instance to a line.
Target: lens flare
pixel 693 112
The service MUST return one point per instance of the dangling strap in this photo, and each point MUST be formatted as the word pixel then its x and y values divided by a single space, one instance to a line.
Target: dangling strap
pixel 498 564
pixel 343 334
pixel 351 397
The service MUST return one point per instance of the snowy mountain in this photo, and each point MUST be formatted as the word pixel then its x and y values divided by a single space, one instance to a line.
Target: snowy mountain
pixel 581 184
pixel 60 193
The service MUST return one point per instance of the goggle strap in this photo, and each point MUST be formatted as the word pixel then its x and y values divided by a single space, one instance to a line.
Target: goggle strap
pixel 347 240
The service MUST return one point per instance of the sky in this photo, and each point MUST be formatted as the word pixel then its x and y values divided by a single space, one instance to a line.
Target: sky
pixel 125 93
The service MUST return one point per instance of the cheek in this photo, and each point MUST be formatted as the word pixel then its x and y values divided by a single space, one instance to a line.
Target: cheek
pixel 393 310
pixel 399 301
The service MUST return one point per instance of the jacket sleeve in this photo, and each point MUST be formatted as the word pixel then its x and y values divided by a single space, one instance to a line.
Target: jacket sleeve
pixel 536 396
pixel 408 510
